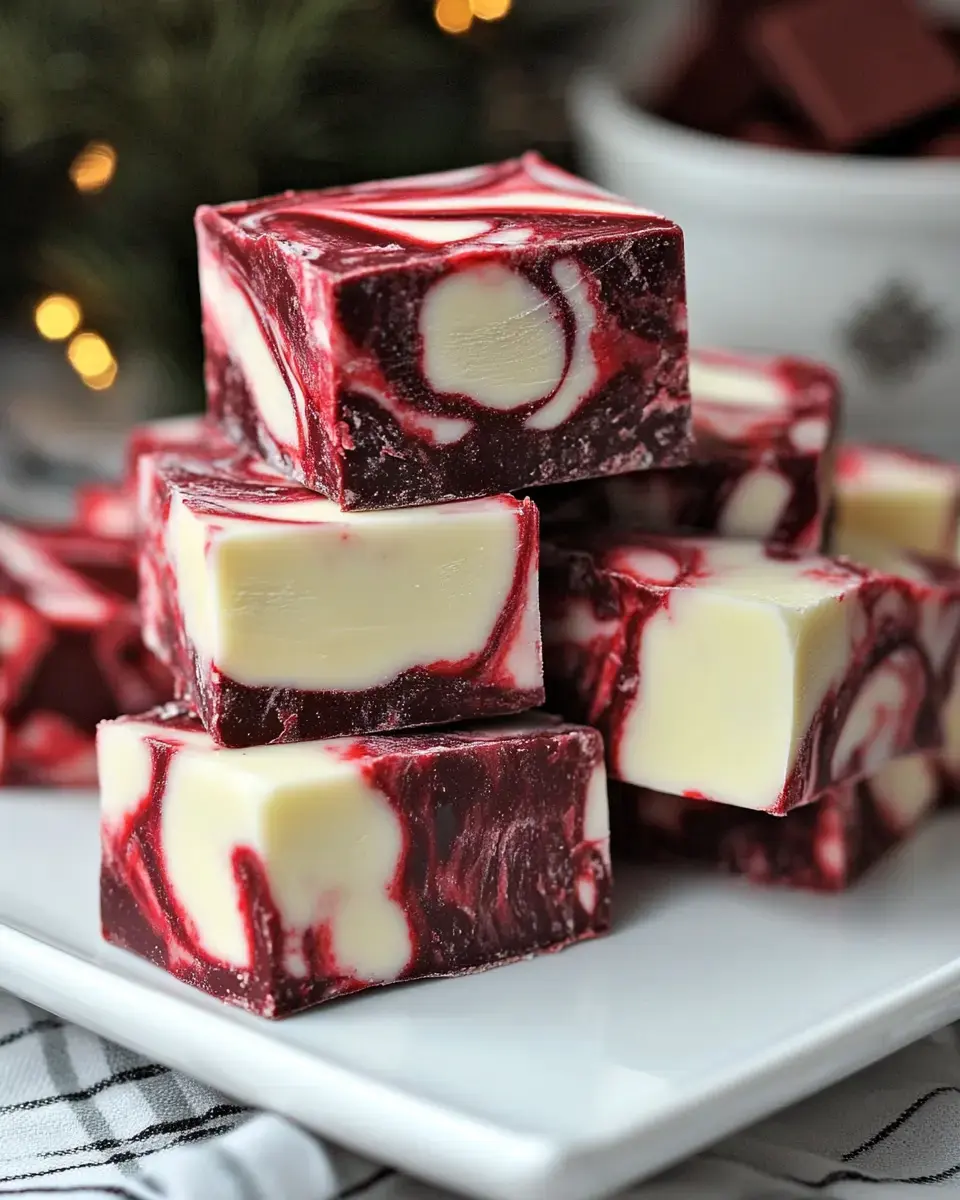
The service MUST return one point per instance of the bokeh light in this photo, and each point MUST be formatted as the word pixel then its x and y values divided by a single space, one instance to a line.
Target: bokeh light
pixel 453 16
pixel 490 10
pixel 92 359
pixel 57 317
pixel 103 380
pixel 94 167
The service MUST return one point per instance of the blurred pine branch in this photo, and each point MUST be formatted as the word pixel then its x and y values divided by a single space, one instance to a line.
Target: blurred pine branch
pixel 208 100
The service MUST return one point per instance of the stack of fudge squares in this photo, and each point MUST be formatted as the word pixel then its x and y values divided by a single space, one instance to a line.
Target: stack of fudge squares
pixel 399 700
pixel 354 787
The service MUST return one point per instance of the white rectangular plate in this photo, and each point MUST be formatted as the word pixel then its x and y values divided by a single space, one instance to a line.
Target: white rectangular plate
pixel 563 1078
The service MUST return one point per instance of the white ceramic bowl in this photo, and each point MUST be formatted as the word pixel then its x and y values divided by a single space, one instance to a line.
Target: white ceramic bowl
pixel 855 261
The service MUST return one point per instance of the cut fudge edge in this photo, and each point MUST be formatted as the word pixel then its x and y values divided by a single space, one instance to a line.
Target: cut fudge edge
pixel 125 925
pixel 222 704
pixel 827 845
pixel 330 474
pixel 574 562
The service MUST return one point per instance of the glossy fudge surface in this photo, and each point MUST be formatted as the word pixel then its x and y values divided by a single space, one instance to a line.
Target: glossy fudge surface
pixel 70 652
pixel 446 336
pixel 907 499
pixel 281 876
pixel 285 619
pixel 825 846
pixel 764 430
pixel 736 673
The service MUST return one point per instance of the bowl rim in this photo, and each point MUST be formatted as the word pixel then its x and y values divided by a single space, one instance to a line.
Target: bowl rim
pixel 600 108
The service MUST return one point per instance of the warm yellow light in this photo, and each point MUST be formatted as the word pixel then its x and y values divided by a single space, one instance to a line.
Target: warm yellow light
pixel 453 16
pixel 490 10
pixel 90 356
pixel 94 167
pixel 56 317
pixel 102 381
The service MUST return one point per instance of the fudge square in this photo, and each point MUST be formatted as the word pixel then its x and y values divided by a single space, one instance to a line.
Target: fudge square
pixel 887 556
pixel 825 846
pixel 281 876
pixel 733 672
pixel 446 336
pixel 763 439
pixel 764 431
pixel 110 509
pixel 907 499
pixel 285 619
pixel 70 652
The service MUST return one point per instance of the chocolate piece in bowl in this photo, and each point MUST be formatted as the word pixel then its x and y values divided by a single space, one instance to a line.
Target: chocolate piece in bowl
pixel 858 69
pixel 285 619
pixel 825 846
pixel 70 651
pixel 446 336
pixel 710 81
pixel 750 676
pixel 764 431
pixel 278 877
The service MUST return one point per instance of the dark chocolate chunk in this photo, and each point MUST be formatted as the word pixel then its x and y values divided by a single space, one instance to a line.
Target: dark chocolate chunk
pixel 858 69
pixel 710 80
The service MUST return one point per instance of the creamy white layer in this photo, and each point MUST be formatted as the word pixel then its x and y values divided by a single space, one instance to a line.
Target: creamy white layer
pixel 897 497
pixel 302 595
pixel 906 790
pixel 756 505
pixel 714 381
pixel 733 668
pixel 329 844
pixel 229 308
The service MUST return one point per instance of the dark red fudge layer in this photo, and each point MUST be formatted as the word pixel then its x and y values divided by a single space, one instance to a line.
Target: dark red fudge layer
pixel 496 866
pixel 735 444
pixel 695 499
pixel 248 716
pixel 824 846
pixel 371 429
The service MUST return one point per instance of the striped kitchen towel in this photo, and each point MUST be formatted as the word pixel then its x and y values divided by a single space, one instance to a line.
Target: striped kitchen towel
pixel 81 1117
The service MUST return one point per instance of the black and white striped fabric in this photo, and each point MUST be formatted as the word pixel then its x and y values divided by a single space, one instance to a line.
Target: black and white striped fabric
pixel 81 1117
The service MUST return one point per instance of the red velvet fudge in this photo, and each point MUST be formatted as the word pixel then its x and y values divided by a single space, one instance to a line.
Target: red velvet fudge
pixel 174 435
pixel 278 877
pixel 764 430
pixel 743 674
pixel 106 510
pixel 825 846
pixel 446 336
pixel 70 652
pixel 110 509
pixel 285 619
